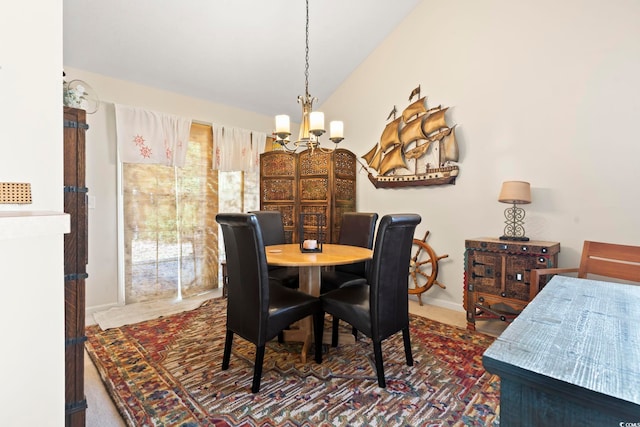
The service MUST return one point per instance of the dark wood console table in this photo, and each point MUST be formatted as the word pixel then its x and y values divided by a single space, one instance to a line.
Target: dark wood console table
pixel 572 357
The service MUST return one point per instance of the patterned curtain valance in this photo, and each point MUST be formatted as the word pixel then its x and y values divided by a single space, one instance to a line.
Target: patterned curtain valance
pixel 237 149
pixel 150 137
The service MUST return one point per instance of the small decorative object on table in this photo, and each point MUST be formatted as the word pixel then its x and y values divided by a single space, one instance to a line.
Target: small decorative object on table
pixel 310 232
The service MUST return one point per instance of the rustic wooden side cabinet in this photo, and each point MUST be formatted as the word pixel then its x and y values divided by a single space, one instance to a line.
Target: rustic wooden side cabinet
pixel 497 276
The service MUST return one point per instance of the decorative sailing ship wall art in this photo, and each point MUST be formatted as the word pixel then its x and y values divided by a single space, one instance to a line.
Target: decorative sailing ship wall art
pixel 418 148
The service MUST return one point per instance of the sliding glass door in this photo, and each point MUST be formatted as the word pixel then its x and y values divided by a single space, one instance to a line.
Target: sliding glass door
pixel 170 233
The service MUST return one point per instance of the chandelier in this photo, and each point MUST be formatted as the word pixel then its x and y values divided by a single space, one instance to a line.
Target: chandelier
pixel 312 123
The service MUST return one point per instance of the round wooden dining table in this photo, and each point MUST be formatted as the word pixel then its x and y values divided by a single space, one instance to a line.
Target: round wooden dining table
pixel 310 270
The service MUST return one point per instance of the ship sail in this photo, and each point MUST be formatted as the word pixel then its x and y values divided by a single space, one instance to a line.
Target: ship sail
pixel 434 121
pixel 417 152
pixel 392 160
pixel 390 135
pixel 370 155
pixel 411 132
pixel 437 136
pixel 373 157
pixel 416 108
pixel 450 144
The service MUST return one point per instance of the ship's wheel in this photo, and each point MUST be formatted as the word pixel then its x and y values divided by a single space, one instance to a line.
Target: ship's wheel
pixel 424 268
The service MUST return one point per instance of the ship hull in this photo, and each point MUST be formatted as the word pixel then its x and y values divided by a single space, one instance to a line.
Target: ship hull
pixel 437 176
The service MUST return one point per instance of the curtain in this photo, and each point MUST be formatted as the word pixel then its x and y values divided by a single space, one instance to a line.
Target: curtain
pixel 237 158
pixel 237 149
pixel 151 137
pixel 172 248
pixel 169 225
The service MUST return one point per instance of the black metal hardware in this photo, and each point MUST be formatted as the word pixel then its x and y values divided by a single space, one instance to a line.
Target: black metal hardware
pixel 79 405
pixel 75 276
pixel 73 341
pixel 75 125
pixel 74 189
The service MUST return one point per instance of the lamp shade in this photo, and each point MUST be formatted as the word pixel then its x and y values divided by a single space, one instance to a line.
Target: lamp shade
pixel 516 192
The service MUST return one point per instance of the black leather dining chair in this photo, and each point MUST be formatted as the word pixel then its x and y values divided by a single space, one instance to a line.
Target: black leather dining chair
pixel 257 307
pixel 357 229
pixel 380 307
pixel 273 234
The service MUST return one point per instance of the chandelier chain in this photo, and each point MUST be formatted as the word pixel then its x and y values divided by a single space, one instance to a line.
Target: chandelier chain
pixel 309 137
pixel 306 57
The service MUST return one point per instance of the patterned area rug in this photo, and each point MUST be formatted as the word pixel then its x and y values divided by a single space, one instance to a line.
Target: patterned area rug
pixel 166 372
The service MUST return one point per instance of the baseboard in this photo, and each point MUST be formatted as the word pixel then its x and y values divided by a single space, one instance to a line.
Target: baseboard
pixel 439 303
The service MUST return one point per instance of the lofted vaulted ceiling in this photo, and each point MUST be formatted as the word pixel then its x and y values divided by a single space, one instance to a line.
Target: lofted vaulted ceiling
pixel 244 53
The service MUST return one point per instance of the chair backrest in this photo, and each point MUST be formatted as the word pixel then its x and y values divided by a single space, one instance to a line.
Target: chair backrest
pixel 610 260
pixel 248 288
pixel 357 229
pixel 272 227
pixel 389 272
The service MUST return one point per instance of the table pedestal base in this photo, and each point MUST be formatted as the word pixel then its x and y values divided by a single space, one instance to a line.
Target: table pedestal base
pixel 302 331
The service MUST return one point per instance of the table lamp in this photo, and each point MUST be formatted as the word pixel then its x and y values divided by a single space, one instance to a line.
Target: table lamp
pixel 516 193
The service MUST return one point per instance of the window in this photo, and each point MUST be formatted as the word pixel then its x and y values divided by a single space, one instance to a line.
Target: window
pixel 170 233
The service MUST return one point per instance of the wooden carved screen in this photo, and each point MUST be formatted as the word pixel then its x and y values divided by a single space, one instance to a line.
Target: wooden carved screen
pixel 278 188
pixel 323 183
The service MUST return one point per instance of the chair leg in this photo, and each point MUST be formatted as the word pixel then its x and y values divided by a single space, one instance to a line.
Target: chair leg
pixel 280 337
pixel 334 331
pixel 354 332
pixel 407 346
pixel 227 350
pixel 377 354
pixel 318 326
pixel 257 369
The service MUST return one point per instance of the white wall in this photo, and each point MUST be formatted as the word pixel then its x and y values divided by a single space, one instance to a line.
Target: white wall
pixel 102 284
pixel 31 251
pixel 542 91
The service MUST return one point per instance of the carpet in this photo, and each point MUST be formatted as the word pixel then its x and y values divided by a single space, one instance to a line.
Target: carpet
pixel 166 372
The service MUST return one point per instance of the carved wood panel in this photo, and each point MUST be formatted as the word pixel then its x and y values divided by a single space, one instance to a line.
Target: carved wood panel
pixel 309 183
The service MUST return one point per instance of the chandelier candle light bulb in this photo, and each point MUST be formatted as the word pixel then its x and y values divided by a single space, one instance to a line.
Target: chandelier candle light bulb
pixel 283 127
pixel 316 123
pixel 282 123
pixel 336 129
